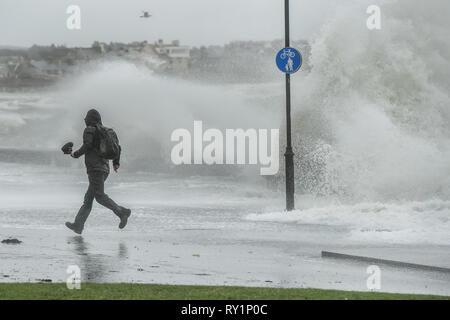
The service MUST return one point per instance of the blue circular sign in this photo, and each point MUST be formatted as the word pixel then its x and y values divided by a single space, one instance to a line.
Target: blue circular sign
pixel 289 60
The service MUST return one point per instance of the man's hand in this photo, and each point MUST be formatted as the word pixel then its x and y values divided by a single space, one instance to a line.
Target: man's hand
pixel 116 167
pixel 72 154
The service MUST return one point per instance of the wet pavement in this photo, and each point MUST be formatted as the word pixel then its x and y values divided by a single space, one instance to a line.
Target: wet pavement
pixel 198 230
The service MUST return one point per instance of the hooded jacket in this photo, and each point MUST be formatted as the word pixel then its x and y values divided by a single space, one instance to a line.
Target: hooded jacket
pixel 91 142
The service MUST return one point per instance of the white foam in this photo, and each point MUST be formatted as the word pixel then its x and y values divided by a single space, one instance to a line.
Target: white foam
pixel 372 119
pixel 397 223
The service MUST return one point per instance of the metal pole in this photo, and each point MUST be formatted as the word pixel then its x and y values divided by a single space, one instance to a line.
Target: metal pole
pixel 289 154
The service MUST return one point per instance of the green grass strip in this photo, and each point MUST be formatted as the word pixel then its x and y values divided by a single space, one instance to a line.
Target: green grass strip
pixel 127 291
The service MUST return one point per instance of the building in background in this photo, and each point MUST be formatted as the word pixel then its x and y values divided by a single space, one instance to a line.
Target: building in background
pixel 177 57
pixel 238 61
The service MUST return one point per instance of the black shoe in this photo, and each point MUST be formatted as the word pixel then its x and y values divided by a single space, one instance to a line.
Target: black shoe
pixel 74 227
pixel 124 217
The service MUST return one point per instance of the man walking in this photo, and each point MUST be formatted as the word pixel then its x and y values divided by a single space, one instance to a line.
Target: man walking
pixel 98 170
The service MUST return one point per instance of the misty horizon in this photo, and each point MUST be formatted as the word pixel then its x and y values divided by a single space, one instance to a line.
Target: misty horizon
pixel 200 23
pixel 166 41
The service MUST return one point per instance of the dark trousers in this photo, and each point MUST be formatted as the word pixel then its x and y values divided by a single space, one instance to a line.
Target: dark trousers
pixel 96 190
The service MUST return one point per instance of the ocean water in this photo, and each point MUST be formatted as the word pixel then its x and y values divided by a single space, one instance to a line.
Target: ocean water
pixel 371 135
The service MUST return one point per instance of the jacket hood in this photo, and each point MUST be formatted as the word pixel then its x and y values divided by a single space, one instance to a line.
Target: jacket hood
pixel 93 118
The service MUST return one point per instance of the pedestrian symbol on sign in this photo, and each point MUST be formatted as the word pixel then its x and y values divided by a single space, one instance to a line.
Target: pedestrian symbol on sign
pixel 289 60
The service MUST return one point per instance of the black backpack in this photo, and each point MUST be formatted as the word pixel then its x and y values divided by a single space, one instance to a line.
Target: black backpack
pixel 109 147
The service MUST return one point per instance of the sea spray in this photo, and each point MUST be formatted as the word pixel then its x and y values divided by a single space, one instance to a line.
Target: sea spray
pixel 372 118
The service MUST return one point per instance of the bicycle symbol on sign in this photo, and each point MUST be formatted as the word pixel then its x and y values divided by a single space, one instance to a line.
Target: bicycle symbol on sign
pixel 289 60
pixel 287 53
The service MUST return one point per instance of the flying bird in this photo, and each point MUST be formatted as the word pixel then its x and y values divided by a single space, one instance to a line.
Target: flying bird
pixel 145 14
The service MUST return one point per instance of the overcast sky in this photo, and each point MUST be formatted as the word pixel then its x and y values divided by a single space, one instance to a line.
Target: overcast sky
pixel 193 22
